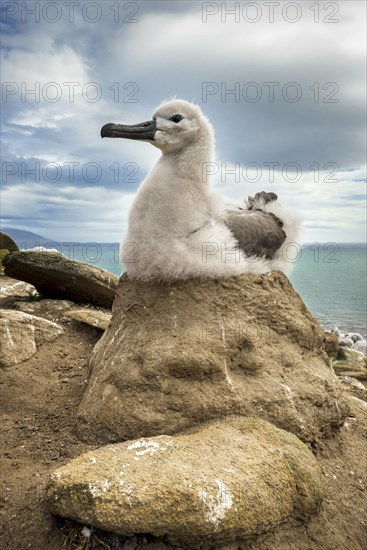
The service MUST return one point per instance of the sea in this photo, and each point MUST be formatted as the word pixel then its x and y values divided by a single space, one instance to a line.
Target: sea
pixel 330 278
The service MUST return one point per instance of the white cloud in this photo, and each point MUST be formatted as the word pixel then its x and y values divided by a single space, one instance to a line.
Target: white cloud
pixel 170 52
pixel 69 213
pixel 39 66
pixel 187 38
pixel 37 119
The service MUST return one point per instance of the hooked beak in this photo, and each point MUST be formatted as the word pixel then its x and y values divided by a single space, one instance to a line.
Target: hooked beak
pixel 144 131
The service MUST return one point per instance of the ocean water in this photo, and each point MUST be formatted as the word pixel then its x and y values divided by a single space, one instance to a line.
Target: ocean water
pixel 330 278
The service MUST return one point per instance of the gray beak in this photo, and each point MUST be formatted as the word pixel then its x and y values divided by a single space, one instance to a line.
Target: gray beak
pixel 144 131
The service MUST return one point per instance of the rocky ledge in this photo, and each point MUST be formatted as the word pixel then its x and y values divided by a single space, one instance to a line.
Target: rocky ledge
pixel 55 276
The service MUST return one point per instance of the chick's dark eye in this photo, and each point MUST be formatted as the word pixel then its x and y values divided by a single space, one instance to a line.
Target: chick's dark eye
pixel 176 118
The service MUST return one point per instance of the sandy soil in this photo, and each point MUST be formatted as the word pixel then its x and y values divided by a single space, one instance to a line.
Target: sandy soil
pixel 39 400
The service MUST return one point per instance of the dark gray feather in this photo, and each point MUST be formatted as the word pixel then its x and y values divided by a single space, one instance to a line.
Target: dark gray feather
pixel 258 233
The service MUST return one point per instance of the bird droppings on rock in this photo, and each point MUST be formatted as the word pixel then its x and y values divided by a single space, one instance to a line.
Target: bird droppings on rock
pixel 188 494
pixel 216 506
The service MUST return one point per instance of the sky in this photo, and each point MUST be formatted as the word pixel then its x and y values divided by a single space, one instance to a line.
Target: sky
pixel 283 84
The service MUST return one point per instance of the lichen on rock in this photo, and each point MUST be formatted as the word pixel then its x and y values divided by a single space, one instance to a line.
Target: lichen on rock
pixel 226 481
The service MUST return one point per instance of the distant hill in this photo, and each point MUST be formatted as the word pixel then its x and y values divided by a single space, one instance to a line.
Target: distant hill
pixel 27 238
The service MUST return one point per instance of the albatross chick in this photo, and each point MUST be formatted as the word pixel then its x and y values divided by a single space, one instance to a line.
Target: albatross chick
pixel 178 227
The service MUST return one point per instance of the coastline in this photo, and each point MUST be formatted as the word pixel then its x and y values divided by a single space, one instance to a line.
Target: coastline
pixel 328 276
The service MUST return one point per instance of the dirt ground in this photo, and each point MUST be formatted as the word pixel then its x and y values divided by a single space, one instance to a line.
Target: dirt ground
pixel 39 401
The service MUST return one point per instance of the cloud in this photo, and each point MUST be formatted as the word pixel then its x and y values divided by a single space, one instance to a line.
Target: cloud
pixel 100 214
pixel 118 71
pixel 354 197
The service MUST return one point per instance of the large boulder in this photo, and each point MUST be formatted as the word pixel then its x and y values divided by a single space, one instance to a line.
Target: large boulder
pixel 228 481
pixel 177 355
pixel 7 243
pixel 21 334
pixel 55 276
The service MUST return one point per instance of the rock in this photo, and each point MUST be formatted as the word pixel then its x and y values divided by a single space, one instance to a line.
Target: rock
pixel 12 287
pixel 353 356
pixel 177 355
pixel 354 336
pixel 345 342
pixel 21 334
pixel 331 344
pixel 96 318
pixel 360 346
pixel 3 252
pixel 55 276
pixel 230 480
pixel 351 363
pixel 355 387
pixel 65 309
pixel 7 243
pixel 45 306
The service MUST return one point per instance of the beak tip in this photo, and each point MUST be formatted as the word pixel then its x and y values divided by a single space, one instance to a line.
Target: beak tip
pixel 105 129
